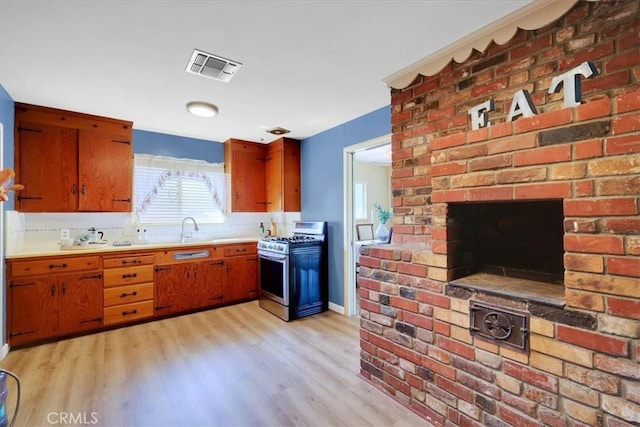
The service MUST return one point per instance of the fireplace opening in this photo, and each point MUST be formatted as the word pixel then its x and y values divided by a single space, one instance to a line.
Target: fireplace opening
pixel 521 239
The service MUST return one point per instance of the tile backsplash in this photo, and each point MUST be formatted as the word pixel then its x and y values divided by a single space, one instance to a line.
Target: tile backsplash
pixel 27 232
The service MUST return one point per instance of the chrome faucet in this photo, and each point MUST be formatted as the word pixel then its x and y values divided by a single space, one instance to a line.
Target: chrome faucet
pixel 184 237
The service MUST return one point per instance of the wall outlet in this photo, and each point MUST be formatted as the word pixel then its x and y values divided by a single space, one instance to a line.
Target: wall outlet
pixel 64 234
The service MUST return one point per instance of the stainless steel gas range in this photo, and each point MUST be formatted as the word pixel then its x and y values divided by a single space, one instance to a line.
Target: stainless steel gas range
pixel 293 272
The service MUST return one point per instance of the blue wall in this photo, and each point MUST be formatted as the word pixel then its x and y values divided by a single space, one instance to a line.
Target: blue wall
pixel 162 144
pixel 323 183
pixel 7 114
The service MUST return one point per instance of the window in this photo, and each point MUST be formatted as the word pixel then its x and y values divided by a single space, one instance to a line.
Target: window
pixel 360 200
pixel 166 189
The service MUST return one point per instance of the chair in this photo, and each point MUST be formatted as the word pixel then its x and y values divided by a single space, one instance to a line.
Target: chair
pixel 364 231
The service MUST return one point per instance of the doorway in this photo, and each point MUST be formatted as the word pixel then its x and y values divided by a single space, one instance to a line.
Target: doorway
pixel 363 181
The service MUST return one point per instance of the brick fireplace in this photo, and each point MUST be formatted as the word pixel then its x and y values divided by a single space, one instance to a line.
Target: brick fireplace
pixel 538 216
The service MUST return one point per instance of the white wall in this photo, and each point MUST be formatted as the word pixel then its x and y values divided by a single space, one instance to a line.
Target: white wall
pixel 378 180
pixel 35 232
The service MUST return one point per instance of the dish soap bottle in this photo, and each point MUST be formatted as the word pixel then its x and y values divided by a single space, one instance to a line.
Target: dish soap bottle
pixel 274 228
pixel 261 229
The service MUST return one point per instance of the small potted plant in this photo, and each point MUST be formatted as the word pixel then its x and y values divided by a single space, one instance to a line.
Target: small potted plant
pixel 384 215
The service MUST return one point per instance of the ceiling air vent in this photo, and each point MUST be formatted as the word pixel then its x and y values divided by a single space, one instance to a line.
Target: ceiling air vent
pixel 212 66
pixel 278 131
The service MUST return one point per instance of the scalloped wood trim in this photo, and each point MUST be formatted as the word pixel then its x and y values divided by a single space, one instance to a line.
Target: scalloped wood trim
pixel 535 15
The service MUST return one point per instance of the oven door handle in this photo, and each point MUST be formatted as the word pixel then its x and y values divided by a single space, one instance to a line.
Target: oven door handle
pixel 276 258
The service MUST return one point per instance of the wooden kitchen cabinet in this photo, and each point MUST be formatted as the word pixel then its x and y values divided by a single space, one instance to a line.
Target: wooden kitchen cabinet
pixel 128 288
pixel 245 162
pixel 186 284
pixel 171 284
pixel 72 162
pixel 241 273
pixel 32 310
pixel 80 302
pixel 264 178
pixel 283 175
pixel 190 286
pixel 208 287
pixel 43 303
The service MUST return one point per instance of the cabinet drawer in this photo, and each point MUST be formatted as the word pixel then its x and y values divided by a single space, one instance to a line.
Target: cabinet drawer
pixel 54 265
pixel 128 312
pixel 128 275
pixel 247 249
pixel 128 294
pixel 125 261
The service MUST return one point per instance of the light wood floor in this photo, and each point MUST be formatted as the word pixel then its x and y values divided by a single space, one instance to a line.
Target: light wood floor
pixel 232 366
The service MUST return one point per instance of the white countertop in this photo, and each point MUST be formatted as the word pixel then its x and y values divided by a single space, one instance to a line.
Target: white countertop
pixel 105 248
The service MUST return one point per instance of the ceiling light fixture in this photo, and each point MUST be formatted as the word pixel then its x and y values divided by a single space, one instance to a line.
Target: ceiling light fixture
pixel 202 109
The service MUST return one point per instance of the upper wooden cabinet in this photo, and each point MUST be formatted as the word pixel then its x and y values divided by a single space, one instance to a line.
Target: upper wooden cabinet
pixel 264 177
pixel 283 175
pixel 245 162
pixel 72 162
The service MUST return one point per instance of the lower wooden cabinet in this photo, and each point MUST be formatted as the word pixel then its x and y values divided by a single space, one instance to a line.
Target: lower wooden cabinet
pixel 50 297
pixel 128 288
pixel 241 273
pixel 51 306
pixel 188 286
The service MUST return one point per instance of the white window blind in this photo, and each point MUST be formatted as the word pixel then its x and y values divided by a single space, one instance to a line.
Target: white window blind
pixel 166 189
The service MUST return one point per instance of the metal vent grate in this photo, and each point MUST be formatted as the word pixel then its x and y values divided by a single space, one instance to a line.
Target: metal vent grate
pixel 278 131
pixel 212 66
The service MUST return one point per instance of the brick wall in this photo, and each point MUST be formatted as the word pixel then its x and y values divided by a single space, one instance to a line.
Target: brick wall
pixel 582 366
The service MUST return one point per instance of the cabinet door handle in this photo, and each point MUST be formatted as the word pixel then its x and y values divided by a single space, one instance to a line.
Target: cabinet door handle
pixel 121 200
pixel 131 294
pixel 195 273
pixel 217 263
pixel 241 250
pixel 237 195
pixel 74 189
pixel 17 285
pixel 133 261
pixel 84 190
pixel 17 334
pixel 129 276
pixel 64 289
pixel 52 266
pixel 93 276
pixel 21 129
pixel 126 313
pixel 53 290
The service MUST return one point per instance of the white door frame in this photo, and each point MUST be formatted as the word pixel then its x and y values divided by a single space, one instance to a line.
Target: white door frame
pixel 349 281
